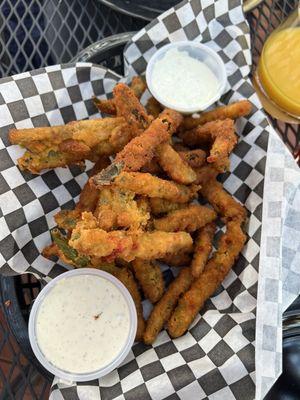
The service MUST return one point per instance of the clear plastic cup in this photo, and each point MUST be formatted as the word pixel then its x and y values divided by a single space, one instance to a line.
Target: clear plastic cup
pixel 200 52
pixel 81 377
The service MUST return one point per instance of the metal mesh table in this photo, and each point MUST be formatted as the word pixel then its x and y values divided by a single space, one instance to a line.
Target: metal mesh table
pixel 35 34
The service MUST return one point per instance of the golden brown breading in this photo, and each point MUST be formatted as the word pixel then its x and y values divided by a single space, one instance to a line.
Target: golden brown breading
pixel 233 111
pixel 202 248
pixel 90 240
pixel 163 206
pixel 141 149
pixel 126 277
pixel 138 86
pixel 187 219
pixel 231 243
pixel 197 137
pixel 163 309
pixel 89 132
pixel 67 219
pixel 105 106
pixel 152 167
pixel 129 107
pixel 223 203
pixel 180 259
pixel 224 141
pixel 89 194
pixel 108 106
pixel 59 146
pixel 150 278
pixel 206 174
pixel 222 136
pixel 194 158
pixel 175 165
pixel 151 186
pixel 117 208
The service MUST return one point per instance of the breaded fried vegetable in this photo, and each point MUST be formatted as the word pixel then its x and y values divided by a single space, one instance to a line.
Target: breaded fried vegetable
pixel 129 107
pixel 68 252
pixel 205 174
pixel 202 248
pixel 197 137
pixel 89 195
pixel 107 106
pixel 58 146
pixel 233 111
pixel 138 86
pixel 217 268
pixel 149 276
pixel 194 158
pixel 223 203
pixel 151 186
pixel 153 107
pixel 141 149
pixel 164 308
pixel 162 206
pixel 221 134
pixel 67 219
pixel 224 141
pixel 117 208
pixel 126 277
pixel 187 219
pixel 90 240
pixel 89 132
pixel 152 167
pixel 175 166
pixel 180 259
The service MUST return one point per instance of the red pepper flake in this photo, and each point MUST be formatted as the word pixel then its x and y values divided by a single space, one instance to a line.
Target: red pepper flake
pixel 7 303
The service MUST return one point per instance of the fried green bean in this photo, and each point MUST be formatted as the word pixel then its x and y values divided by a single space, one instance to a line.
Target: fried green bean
pixel 163 309
pixel 151 186
pixel 231 243
pixel 202 248
pixel 187 219
pixel 150 278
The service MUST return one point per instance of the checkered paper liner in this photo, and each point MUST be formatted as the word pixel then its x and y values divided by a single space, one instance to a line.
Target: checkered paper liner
pixel 215 359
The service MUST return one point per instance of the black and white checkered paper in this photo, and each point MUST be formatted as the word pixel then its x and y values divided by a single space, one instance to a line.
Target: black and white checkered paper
pixel 215 359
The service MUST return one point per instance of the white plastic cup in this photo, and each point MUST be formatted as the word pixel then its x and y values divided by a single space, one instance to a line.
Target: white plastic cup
pixel 200 52
pixel 82 377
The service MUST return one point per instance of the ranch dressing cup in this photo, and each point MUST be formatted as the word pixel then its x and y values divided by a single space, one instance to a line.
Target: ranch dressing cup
pixel 186 76
pixel 82 325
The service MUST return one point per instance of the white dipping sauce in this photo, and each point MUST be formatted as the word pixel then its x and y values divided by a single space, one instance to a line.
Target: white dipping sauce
pixel 183 81
pixel 83 323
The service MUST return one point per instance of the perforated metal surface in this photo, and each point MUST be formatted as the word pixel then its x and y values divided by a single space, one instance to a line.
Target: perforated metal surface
pixel 35 33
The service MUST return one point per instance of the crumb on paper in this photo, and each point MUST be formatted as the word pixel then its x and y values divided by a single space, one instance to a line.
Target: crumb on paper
pixel 97 316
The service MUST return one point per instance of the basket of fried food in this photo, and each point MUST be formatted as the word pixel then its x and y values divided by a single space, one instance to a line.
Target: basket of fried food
pixel 143 204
